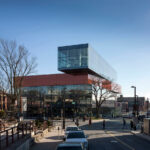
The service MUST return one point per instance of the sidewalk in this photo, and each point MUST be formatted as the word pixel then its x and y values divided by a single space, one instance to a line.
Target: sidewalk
pixel 141 135
pixel 50 141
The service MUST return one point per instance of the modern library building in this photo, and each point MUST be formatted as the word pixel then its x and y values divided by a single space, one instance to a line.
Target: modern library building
pixel 72 89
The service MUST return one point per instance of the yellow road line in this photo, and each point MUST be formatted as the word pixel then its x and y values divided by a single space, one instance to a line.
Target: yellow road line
pixel 123 143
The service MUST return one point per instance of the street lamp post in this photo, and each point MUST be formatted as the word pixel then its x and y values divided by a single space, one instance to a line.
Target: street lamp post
pixel 137 105
pixel 134 106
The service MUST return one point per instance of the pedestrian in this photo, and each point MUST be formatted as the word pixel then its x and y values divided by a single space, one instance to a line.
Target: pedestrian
pixel 77 122
pixel 124 123
pixel 104 124
pixel 90 121
pixel 58 132
pixel 131 124
pixel 84 118
pixel 134 126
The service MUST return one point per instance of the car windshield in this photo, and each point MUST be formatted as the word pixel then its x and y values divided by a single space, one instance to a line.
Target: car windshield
pixel 71 129
pixel 69 148
pixel 76 135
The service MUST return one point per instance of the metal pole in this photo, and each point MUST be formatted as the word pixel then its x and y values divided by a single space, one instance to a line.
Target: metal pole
pixel 137 104
pixel 63 113
pixel 135 101
pixel 63 99
pixel 134 106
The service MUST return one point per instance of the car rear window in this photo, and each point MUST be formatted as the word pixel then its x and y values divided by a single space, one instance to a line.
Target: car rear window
pixel 76 135
pixel 71 129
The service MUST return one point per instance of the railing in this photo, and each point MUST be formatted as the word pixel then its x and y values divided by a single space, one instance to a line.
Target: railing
pixel 9 136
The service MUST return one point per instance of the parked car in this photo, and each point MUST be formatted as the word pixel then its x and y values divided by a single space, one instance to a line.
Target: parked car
pixel 77 136
pixel 70 146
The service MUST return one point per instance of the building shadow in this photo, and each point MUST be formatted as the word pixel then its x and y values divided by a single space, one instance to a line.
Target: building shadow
pixel 109 125
pixel 122 142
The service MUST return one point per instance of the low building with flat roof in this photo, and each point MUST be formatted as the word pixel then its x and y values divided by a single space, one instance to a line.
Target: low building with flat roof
pixel 140 101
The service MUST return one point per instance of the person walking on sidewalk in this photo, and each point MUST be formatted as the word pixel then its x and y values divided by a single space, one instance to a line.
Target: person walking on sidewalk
pixel 77 121
pixel 124 123
pixel 134 126
pixel 131 125
pixel 104 124
pixel 90 121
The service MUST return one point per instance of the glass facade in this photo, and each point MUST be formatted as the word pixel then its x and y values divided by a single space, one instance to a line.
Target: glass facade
pixel 49 99
pixel 46 95
pixel 100 66
pixel 73 57
pixel 83 56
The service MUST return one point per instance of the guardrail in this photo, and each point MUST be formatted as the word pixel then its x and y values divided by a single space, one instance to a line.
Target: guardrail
pixel 9 136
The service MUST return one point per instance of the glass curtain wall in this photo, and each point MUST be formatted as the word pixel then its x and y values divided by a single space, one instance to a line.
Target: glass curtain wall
pixel 72 58
pixel 48 100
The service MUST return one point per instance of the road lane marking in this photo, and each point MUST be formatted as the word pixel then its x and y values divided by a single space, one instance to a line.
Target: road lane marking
pixel 113 141
pixel 123 143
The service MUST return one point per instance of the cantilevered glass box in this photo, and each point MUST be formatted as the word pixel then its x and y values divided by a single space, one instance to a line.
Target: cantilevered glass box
pixel 83 58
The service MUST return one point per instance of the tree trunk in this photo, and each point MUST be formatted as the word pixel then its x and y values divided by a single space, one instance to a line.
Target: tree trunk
pixel 97 111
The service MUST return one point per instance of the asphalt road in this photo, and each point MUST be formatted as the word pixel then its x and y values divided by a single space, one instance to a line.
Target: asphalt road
pixel 112 138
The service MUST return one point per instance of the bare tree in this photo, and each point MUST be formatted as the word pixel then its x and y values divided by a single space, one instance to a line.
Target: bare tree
pixel 1 82
pixel 76 95
pixel 103 90
pixel 15 61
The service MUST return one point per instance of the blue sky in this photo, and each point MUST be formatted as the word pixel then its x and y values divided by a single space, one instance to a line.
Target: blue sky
pixel 118 29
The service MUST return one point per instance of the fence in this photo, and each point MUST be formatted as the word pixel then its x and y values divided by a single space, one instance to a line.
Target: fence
pixel 9 136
